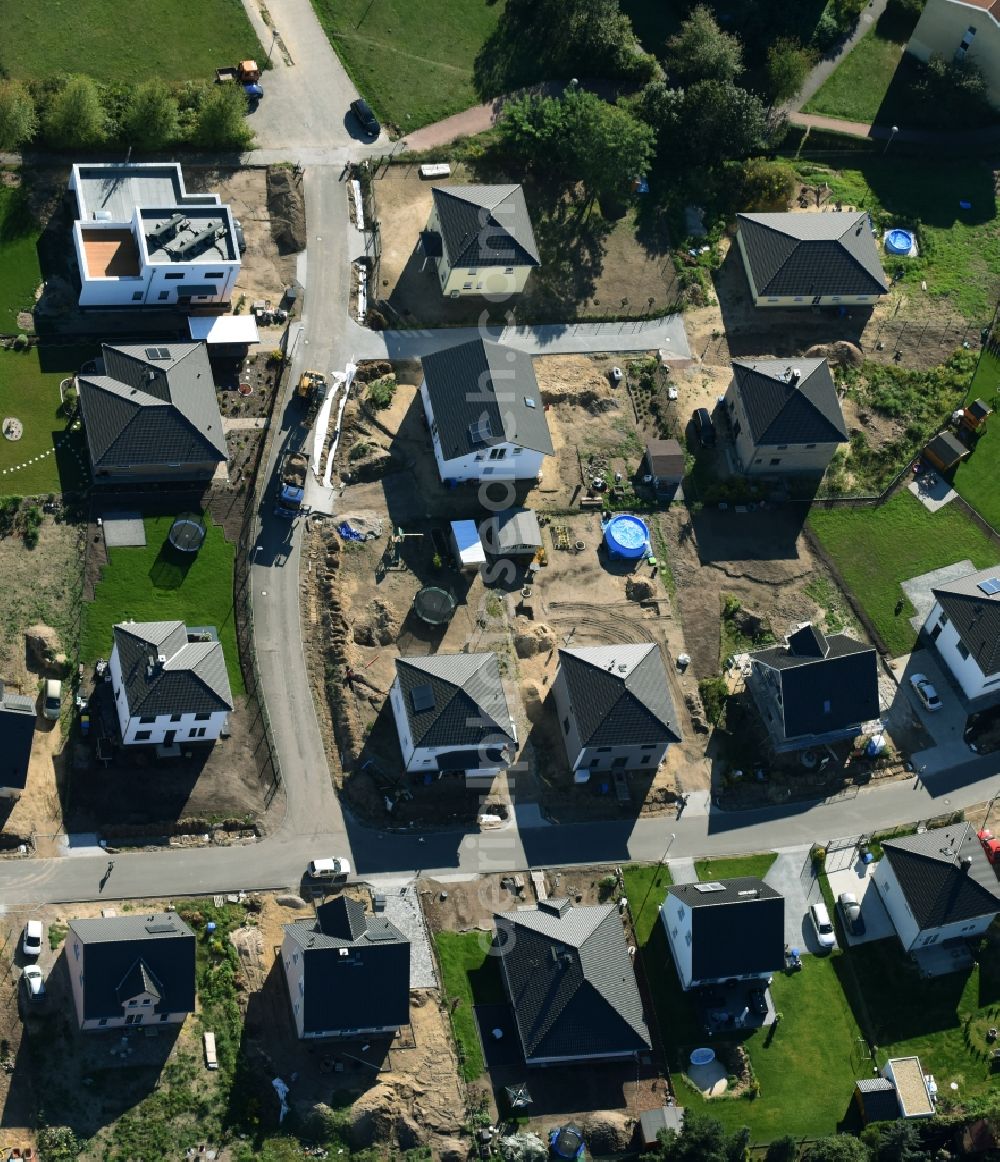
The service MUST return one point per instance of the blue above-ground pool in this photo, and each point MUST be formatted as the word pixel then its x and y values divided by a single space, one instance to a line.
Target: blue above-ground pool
pixel 899 241
pixel 626 536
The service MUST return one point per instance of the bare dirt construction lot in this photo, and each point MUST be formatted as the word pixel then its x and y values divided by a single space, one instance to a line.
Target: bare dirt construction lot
pixel 590 267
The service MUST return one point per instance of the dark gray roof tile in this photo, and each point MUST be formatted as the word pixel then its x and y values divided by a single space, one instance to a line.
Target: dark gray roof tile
pixel 466 705
pixel 940 888
pixel 192 679
pixel 975 615
pixel 736 930
pixel 781 411
pixel 486 226
pixel 17 731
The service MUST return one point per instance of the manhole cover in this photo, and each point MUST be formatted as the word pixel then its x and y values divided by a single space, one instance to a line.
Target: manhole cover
pixel 13 429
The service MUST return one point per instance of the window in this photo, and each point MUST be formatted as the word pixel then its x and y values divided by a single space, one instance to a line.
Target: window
pixel 518 451
pixel 132 1004
pixel 215 274
pixel 466 286
pixel 176 717
pixel 103 1021
pixel 197 732
pixel 143 735
pixel 966 44
pixel 118 693
pixel 963 649
pixel 173 277
pixel 826 706
pixel 498 453
pixel 645 760
pixel 782 447
pixel 147 718
pixel 566 726
pixel 137 297
pixel 604 750
pixel 775 461
pixel 687 937
pixel 202 717
pixel 509 270
pixel 472 274
pixel 163 295
pixel 810 445
pixel 164 1016
pixel 146 1001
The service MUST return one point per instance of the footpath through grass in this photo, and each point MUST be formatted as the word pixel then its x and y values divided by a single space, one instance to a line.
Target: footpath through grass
pixel 155 583
pixel 411 62
pixel 856 89
pixel 806 1070
pixel 19 271
pixel 877 548
pixel 735 867
pixel 976 478
pixel 126 40
pixel 470 977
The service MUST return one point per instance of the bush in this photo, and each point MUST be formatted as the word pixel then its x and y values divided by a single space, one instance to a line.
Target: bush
pixel 70 397
pixel 359 451
pixel 714 693
pixel 827 32
pixel 381 392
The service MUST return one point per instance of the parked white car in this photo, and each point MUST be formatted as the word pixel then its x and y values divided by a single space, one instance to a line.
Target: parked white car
pixel 34 982
pixel 823 925
pixel 31 945
pixel 925 691
pixel 328 869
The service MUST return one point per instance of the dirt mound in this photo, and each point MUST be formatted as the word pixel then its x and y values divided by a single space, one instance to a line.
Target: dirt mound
pixel 573 379
pixel 537 640
pixel 43 646
pixel 379 1116
pixel 287 208
pixel 637 590
pixel 371 369
pixel 840 352
pixel 533 700
pixel 380 629
pixel 608 1133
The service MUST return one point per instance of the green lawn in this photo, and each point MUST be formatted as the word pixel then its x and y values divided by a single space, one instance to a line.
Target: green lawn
pixel 47 458
pixel 736 867
pixel 19 272
pixel 125 40
pixel 412 62
pixel 854 91
pixel 806 1073
pixel 906 1015
pixel 154 583
pixel 976 478
pixel 960 249
pixel 877 548
pixel 470 977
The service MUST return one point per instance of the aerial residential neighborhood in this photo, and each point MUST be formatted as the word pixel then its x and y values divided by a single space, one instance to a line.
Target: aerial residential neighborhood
pixel 500 545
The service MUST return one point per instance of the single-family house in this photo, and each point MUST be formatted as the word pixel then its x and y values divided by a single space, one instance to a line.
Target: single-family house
pixel 451 714
pixel 937 886
pixel 814 688
pixel 515 532
pixel 662 467
pixel 569 978
pixel 17 732
pixel 142 240
pixel 720 931
pixel 169 684
pixel 785 416
pixel 151 415
pixel 347 972
pixel 614 707
pixel 945 452
pixel 131 970
pixel 964 625
pixel 480 240
pixel 485 413
pixel 961 30
pixel 810 260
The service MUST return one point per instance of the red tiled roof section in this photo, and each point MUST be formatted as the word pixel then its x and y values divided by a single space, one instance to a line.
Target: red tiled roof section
pixel 990 6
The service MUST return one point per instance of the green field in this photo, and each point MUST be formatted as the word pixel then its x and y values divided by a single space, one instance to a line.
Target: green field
pixel 856 89
pixel 470 976
pixel 47 458
pixel 19 271
pixel 976 478
pixel 735 867
pixel 960 249
pixel 877 548
pixel 125 40
pixel 154 583
pixel 807 1071
pixel 411 62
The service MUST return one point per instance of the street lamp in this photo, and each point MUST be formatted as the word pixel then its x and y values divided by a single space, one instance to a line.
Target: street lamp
pixel 892 133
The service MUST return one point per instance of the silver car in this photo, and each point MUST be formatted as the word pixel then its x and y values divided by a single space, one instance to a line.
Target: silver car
pixel 850 909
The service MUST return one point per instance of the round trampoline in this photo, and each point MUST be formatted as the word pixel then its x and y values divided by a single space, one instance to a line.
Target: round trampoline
pixel 433 605
pixel 187 533
pixel 626 536
pixel 899 242
pixel 702 1056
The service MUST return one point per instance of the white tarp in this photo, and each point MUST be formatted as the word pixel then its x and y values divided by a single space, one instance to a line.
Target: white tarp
pixel 223 329
pixel 467 542
pixel 358 207
pixel 346 379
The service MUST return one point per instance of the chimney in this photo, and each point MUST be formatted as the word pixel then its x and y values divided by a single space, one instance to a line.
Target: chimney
pixel 966 862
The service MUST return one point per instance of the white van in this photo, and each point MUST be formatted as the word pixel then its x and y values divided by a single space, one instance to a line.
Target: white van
pixel 328 869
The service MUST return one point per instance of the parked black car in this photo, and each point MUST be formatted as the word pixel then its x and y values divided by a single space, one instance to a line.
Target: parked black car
pixel 369 122
pixel 704 427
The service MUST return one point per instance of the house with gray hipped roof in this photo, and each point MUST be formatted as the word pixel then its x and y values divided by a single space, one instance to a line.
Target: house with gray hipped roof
pixel 810 260
pixel 485 412
pixel 964 626
pixel 169 683
pixel 347 972
pixel 150 414
pixel 570 981
pixel 937 886
pixel 17 732
pixel 615 708
pixel 480 240
pixel 785 416
pixel 131 970
pixel 451 714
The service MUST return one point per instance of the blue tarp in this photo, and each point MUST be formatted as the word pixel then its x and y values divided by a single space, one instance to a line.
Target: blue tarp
pixel 348 533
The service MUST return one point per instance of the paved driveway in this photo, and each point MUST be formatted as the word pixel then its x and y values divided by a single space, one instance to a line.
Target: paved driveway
pixel 792 875
pixel 946 725
pixel 857 879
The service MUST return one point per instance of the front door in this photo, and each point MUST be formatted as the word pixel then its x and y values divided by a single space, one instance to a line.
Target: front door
pixel 168 738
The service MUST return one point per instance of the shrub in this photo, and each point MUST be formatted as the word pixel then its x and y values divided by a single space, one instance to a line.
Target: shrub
pixel 359 451
pixel 381 392
pixel 714 693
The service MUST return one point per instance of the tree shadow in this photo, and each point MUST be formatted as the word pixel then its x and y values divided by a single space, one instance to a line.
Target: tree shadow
pixel 571 245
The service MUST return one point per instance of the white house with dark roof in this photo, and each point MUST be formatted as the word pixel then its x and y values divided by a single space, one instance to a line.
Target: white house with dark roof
pixel 937 886
pixel 480 239
pixel 567 972
pixel 142 240
pixel 724 930
pixel 810 260
pixel 615 708
pixel 169 684
pixel 347 972
pixel 785 416
pixel 814 688
pixel 18 715
pixel 151 415
pixel 962 30
pixel 131 970
pixel 451 714
pixel 485 413
pixel 964 625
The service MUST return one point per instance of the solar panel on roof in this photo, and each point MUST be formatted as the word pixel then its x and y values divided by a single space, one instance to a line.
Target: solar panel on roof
pixel 714 886
pixel 990 586
pixel 422 698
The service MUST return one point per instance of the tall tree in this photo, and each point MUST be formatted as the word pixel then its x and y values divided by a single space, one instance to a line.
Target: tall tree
pixel 701 51
pixel 151 117
pixel 788 65
pixel 702 1139
pixel 221 121
pixel 783 1150
pixel 899 1142
pixel 75 115
pixel 18 117
pixel 718 121
pixel 839 1148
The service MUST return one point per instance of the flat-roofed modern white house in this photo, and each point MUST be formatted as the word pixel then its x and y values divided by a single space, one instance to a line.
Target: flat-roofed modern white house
pixel 142 240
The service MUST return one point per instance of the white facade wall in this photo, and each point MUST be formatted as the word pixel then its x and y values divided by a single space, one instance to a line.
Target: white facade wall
pixel 965 670
pixel 295 975
pixel 140 1014
pixel 461 281
pixel 942 30
pixel 911 936
pixel 418 759
pixel 183 727
pixel 676 918
pixel 501 461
